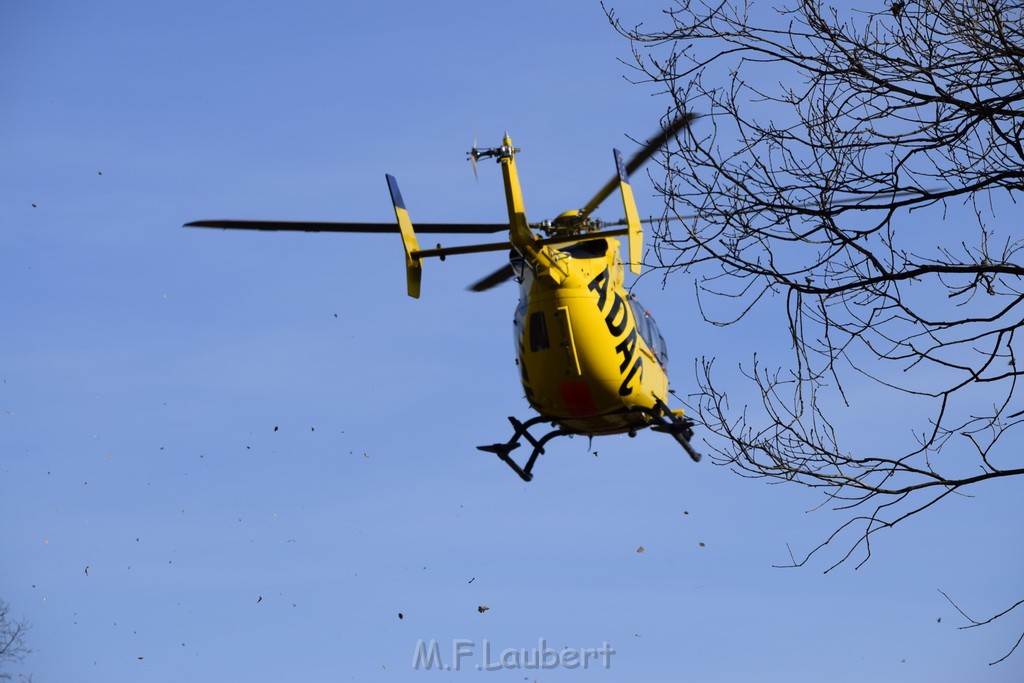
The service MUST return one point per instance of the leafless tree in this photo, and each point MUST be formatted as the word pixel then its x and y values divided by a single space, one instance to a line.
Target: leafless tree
pixel 854 177
pixel 12 640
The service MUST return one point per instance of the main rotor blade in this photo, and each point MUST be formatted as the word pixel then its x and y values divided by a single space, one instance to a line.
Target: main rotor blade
pixel 494 279
pixel 640 158
pixel 313 226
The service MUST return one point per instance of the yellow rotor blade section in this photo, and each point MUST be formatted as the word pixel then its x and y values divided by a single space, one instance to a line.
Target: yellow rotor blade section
pixel 413 263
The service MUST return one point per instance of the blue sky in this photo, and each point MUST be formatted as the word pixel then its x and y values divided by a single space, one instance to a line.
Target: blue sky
pixel 235 456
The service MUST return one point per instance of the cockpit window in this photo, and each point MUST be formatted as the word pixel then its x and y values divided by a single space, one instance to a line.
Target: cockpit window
pixel 588 249
pixel 649 331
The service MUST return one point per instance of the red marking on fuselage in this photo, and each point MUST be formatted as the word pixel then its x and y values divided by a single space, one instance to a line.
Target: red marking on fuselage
pixel 577 398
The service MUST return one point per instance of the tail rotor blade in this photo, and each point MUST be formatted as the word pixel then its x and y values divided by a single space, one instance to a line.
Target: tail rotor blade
pixel 472 155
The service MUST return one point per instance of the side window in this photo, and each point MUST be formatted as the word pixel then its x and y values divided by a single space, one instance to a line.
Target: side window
pixel 538 332
pixel 649 331
pixel 640 318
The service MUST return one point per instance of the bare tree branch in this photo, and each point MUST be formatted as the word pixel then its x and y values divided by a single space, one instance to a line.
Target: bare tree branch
pixel 974 623
pixel 12 639
pixel 855 177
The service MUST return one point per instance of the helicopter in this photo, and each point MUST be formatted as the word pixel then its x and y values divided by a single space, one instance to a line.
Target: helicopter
pixel 591 359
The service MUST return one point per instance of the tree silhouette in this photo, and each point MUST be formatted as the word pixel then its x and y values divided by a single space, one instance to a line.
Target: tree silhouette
pixel 12 641
pixel 854 179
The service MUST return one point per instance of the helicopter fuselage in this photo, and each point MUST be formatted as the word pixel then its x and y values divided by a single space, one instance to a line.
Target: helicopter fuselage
pixel 589 356
pixel 588 361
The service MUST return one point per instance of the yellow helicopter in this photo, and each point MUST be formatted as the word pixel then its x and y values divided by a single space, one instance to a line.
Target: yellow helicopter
pixel 591 359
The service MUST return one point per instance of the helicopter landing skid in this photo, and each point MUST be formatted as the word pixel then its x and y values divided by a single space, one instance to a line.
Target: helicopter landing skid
pixel 662 420
pixel 502 450
pixel 678 427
